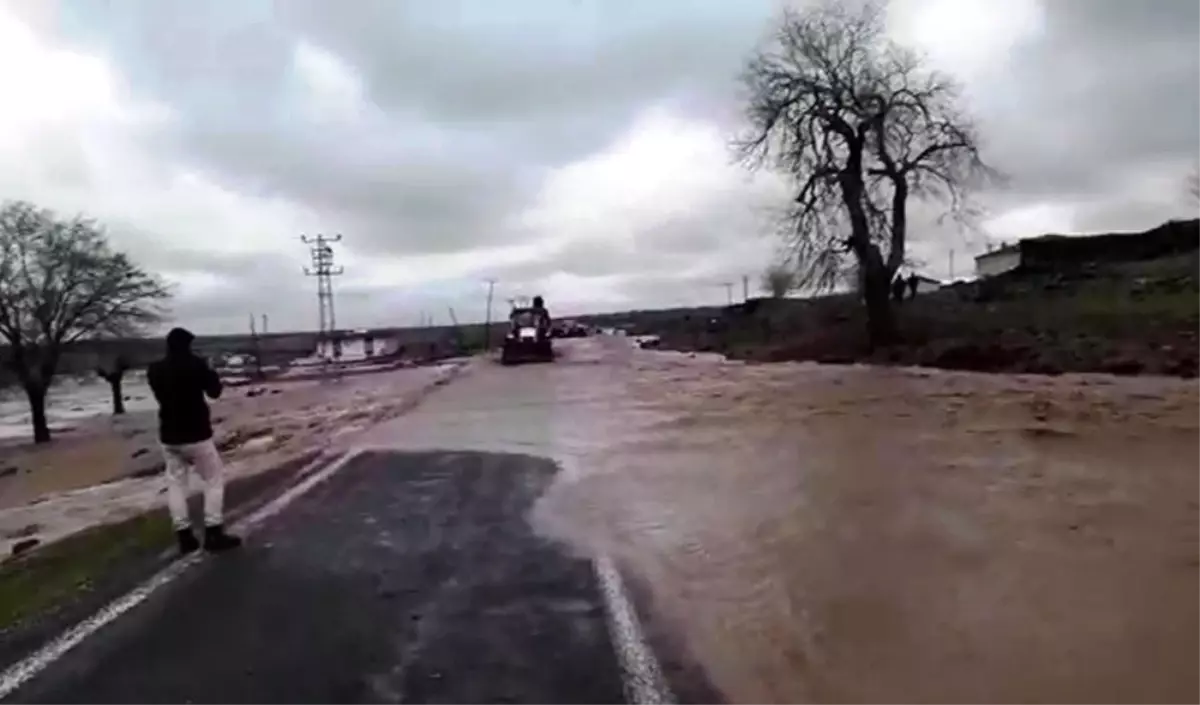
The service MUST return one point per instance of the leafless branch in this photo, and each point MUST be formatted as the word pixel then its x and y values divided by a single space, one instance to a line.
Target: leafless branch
pixel 60 283
pixel 860 127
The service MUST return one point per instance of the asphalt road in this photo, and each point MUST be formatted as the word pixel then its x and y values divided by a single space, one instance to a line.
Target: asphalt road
pixel 405 577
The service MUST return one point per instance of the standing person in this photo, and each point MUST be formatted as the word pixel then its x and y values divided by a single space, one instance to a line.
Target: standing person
pixel 542 314
pixel 180 382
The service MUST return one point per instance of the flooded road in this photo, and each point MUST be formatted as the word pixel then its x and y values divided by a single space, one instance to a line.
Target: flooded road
pixel 855 534
pixel 789 533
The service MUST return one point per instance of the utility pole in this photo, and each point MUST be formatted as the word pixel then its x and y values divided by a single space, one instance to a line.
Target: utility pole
pixel 951 264
pixel 257 348
pixel 728 291
pixel 487 318
pixel 264 324
pixel 322 268
pixel 745 287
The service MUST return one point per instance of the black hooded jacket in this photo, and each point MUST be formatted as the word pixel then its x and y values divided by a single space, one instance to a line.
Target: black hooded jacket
pixel 180 381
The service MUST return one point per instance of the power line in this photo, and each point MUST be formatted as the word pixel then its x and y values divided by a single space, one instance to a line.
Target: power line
pixel 322 268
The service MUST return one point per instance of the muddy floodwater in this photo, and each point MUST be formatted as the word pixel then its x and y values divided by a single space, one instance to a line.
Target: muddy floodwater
pixel 856 534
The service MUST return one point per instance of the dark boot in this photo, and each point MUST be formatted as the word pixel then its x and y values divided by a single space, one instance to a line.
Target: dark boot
pixel 216 540
pixel 187 541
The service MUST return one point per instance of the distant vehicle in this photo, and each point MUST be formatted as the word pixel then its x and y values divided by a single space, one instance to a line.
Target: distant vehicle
pixel 569 329
pixel 528 337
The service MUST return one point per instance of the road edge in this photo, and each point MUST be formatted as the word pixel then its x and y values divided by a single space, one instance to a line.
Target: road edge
pixel 327 462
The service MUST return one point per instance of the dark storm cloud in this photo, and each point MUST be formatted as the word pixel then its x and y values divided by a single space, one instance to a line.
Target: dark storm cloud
pixel 732 227
pixel 1108 87
pixel 479 62
pixel 391 199
pixel 471 103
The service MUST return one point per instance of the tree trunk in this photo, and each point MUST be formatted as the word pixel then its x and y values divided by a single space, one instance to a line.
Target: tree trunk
pixel 37 410
pixel 881 323
pixel 118 400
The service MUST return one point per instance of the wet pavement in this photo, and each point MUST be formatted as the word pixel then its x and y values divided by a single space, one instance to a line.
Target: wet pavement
pixel 403 578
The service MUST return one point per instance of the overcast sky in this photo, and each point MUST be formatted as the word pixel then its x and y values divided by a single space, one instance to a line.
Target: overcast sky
pixel 574 148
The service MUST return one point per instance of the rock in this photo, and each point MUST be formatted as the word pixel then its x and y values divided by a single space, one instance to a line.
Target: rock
pixel 139 452
pixel 1182 367
pixel 24 532
pixel 10 471
pixel 151 471
pixel 231 441
pixel 24 545
pixel 1123 366
pixel 276 391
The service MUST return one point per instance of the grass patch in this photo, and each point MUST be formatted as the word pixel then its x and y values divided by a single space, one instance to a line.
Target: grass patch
pixel 32 585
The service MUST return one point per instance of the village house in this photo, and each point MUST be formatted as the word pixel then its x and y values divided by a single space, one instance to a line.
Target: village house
pixel 998 261
pixel 1058 252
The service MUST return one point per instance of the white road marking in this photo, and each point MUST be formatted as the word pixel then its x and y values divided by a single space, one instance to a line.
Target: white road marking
pixel 21 672
pixel 640 671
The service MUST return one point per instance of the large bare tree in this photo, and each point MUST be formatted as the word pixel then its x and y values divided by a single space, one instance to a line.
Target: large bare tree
pixel 61 283
pixel 861 127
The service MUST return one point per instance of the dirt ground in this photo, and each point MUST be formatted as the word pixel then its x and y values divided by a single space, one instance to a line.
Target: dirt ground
pixel 109 465
pixel 853 534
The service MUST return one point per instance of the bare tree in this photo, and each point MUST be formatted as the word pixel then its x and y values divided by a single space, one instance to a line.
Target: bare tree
pixel 1193 186
pixel 859 126
pixel 61 283
pixel 778 280
pixel 114 374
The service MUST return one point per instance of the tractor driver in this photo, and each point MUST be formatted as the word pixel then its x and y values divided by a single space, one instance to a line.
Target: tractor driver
pixel 542 314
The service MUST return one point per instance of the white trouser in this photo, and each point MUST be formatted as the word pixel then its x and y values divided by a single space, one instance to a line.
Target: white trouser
pixel 206 461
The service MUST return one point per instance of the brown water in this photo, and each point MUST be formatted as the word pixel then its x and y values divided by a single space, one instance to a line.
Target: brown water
pixel 855 534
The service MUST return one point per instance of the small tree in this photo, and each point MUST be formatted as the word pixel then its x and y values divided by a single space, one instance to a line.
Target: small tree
pixel 778 280
pixel 859 126
pixel 61 283
pixel 114 374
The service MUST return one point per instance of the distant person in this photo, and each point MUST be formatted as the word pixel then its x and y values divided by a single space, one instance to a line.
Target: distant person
pixel 542 314
pixel 180 383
